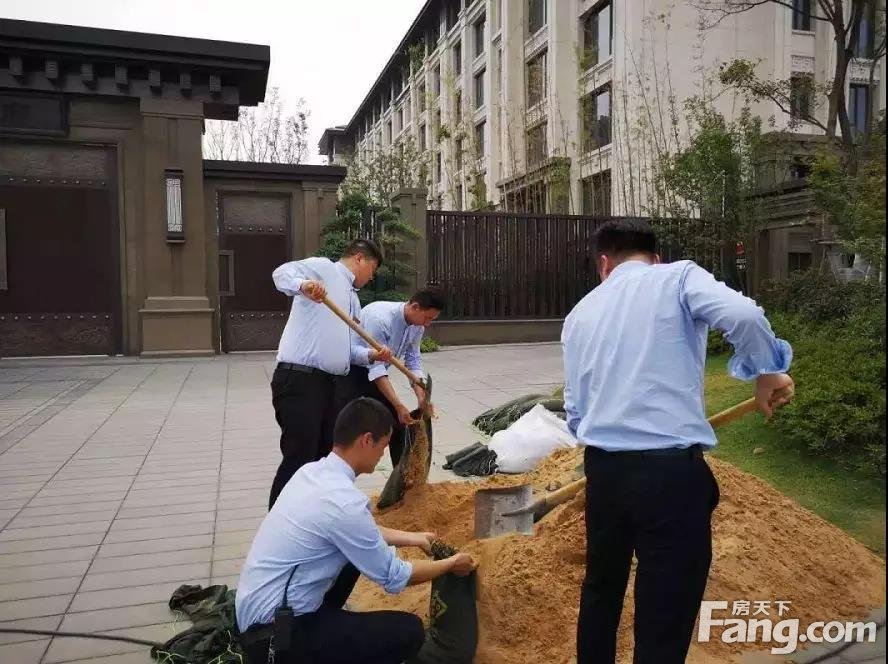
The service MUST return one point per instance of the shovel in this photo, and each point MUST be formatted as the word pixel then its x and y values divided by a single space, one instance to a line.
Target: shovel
pixel 494 511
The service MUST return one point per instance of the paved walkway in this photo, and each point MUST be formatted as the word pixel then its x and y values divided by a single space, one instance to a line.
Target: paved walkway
pixel 121 480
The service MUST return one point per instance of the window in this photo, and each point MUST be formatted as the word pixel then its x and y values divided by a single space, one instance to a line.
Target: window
pixel 436 81
pixel 437 125
pixel 536 15
pixel 479 89
pixel 859 107
pixel 799 261
pixel 457 106
pixel 536 80
pixel 596 119
pixel 597 35
pixel 458 198
pixel 438 173
pixel 450 11
pixel 388 133
pixel 479 35
pixel 401 119
pixel 480 147
pixel 422 138
pixel 459 150
pixel 536 145
pixel 801 15
pixel 597 194
pixel 800 97
pixel 866 36
pixel 457 59
pixel 421 97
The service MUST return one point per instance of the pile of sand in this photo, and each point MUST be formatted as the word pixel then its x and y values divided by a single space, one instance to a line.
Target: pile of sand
pixel 765 547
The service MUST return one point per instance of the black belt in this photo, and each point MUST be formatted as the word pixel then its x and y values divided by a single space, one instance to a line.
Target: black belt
pixel 302 368
pixel 674 452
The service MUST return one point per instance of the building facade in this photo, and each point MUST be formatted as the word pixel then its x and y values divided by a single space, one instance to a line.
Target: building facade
pixel 565 105
pixel 116 236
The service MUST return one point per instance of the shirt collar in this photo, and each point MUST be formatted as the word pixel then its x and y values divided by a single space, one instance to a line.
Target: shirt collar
pixel 341 465
pixel 403 310
pixel 348 274
pixel 629 265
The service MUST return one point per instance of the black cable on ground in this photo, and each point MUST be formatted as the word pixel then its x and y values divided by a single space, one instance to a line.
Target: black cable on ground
pixel 82 635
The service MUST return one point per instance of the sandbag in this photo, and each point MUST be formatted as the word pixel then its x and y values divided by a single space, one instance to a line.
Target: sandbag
pixel 416 459
pixel 534 436
pixel 473 461
pixel 452 634
pixel 502 417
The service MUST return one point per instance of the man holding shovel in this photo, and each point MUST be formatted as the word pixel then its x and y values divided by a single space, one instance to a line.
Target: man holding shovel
pixel 634 355
pixel 399 326
pixel 315 348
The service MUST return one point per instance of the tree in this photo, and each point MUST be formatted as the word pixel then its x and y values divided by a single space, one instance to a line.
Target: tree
pixel 855 202
pixel 356 217
pixel 378 174
pixel 262 134
pixel 844 18
pixel 711 179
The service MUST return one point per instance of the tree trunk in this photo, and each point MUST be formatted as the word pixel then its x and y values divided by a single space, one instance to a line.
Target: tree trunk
pixel 837 91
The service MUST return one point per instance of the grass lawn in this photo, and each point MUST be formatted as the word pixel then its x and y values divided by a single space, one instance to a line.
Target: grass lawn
pixel 852 500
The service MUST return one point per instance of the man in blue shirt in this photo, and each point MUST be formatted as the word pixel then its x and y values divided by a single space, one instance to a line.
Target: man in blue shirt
pixel 311 548
pixel 634 354
pixel 315 348
pixel 398 326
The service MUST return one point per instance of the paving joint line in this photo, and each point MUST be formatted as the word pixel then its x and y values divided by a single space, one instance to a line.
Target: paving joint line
pixel 123 499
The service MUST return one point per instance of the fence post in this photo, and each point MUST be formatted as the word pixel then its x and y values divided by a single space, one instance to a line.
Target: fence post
pixel 411 205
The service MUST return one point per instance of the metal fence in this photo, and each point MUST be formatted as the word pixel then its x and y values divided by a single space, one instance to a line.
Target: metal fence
pixel 496 265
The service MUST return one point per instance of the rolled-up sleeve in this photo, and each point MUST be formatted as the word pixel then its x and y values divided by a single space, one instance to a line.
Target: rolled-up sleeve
pixel 289 277
pixel 359 540
pixel 570 406
pixel 756 349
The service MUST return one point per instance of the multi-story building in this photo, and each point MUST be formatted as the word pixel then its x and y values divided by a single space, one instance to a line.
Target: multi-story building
pixel 566 105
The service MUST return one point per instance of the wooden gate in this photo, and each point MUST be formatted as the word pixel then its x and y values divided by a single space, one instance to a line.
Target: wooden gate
pixel 254 238
pixel 59 247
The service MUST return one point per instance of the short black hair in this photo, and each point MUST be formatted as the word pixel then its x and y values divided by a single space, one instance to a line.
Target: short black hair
pixel 363 247
pixel 363 415
pixel 619 238
pixel 430 297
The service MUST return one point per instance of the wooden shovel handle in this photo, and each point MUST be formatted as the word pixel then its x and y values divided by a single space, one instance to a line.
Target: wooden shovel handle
pixel 568 491
pixel 361 332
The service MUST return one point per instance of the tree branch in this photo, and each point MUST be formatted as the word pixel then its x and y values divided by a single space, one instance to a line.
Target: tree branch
pixel 726 8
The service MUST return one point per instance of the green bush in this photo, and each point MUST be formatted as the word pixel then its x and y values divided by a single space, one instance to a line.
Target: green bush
pixel 428 345
pixel 838 336
pixel 818 297
pixel 716 344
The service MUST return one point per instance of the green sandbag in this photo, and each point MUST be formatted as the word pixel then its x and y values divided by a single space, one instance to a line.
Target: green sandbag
pixel 452 634
pixel 502 417
pixel 416 459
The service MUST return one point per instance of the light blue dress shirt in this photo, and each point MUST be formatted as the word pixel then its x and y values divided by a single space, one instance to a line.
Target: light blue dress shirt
pixel 386 323
pixel 314 336
pixel 635 350
pixel 320 521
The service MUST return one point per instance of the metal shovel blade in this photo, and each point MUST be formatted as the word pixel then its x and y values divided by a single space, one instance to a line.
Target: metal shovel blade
pixel 491 506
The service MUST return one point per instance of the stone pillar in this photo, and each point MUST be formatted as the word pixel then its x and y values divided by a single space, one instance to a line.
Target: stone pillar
pixel 176 316
pixel 411 205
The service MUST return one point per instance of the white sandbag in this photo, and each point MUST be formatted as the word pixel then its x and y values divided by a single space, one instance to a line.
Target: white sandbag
pixel 529 440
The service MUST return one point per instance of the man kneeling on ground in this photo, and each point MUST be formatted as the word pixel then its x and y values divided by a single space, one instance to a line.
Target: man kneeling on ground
pixel 311 548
